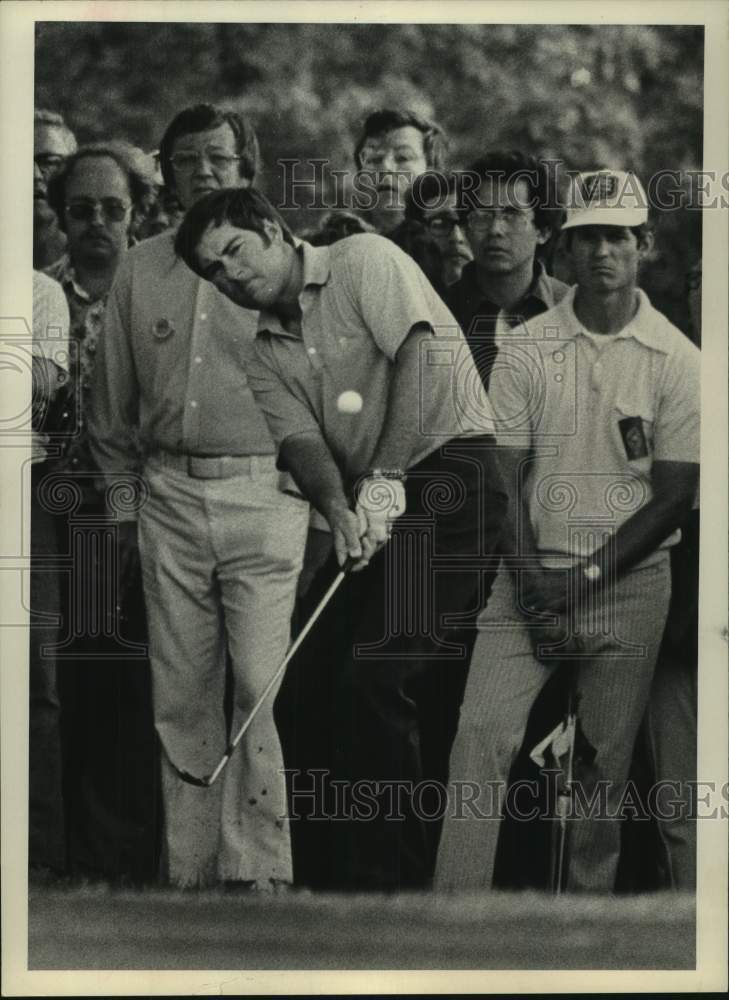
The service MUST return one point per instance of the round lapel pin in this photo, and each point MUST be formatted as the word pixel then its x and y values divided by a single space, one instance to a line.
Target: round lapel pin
pixel 162 329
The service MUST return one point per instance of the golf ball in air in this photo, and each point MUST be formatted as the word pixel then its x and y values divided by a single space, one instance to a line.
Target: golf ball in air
pixel 349 402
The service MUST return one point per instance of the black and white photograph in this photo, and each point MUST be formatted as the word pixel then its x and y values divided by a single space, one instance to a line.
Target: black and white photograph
pixel 363 618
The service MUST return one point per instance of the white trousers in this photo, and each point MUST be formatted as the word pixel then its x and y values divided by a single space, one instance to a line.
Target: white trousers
pixel 619 637
pixel 220 561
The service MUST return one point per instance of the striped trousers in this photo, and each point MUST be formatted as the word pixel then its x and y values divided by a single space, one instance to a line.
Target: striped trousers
pixel 614 659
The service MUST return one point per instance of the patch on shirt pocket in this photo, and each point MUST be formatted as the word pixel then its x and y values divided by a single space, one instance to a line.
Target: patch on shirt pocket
pixel 636 433
pixel 634 439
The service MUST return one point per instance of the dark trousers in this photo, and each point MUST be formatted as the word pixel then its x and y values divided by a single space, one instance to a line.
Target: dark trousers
pixel 111 780
pixel 389 663
pixel 47 841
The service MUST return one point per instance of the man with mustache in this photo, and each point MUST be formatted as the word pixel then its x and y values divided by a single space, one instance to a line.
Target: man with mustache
pixel 99 195
pixel 221 543
pixel 433 232
pixel 506 217
pixel 395 147
pixel 53 141
pixel 597 408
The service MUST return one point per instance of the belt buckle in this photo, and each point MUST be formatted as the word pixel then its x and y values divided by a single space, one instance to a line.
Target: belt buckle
pixel 213 467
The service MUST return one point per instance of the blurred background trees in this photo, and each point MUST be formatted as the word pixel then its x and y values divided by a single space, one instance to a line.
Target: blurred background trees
pixel 623 96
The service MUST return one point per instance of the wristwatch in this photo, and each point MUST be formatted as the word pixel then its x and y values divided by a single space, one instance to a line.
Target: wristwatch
pixel 386 474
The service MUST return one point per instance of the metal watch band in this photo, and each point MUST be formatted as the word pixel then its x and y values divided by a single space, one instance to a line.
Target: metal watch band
pixel 386 474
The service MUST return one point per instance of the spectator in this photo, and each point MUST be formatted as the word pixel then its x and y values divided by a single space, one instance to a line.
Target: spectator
pixel 416 241
pixel 670 726
pixel 435 201
pixel 335 226
pixel 395 147
pixel 53 141
pixel 46 826
pixel 507 218
pixel 166 211
pixel 600 456
pixel 100 195
pixel 221 544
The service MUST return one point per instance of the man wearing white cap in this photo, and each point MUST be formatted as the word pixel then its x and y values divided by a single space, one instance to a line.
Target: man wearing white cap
pixel 597 404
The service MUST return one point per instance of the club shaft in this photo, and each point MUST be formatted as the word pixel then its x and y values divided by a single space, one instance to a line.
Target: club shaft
pixel 275 678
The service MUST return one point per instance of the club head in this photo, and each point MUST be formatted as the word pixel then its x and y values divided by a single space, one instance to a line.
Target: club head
pixel 192 780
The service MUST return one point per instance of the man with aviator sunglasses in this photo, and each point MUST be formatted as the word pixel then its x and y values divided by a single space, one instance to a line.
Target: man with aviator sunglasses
pixel 99 194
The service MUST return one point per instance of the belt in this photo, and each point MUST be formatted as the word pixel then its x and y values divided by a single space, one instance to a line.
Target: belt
pixel 215 466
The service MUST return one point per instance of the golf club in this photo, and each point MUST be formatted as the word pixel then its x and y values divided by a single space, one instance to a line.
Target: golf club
pixel 211 778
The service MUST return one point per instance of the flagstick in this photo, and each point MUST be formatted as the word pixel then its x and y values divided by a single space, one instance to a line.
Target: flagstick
pixel 571 726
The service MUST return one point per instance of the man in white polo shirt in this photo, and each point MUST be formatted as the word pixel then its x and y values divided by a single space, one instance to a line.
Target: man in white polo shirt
pixel 371 393
pixel 597 406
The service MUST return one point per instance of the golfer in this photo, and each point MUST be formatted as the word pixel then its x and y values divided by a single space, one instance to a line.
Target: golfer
pixel 407 485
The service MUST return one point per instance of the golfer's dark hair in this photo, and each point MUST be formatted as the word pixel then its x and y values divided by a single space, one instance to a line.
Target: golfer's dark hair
pixel 131 161
pixel 244 208
pixel 510 166
pixel 435 143
pixel 202 118
pixel 432 186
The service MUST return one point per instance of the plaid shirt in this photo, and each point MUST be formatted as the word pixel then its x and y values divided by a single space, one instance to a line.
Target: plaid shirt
pixel 87 321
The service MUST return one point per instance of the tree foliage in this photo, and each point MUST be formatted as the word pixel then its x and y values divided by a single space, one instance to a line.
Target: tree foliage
pixel 625 96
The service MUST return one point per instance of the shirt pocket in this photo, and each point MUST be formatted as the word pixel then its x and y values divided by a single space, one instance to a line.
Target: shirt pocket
pixel 634 432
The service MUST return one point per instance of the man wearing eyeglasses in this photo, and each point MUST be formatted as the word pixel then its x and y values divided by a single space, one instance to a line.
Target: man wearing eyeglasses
pixel 221 544
pixel 99 194
pixel 395 147
pixel 432 208
pixel 507 220
pixel 53 141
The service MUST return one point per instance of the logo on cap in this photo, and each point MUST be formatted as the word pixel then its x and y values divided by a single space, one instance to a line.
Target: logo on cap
pixel 598 187
pixel 606 198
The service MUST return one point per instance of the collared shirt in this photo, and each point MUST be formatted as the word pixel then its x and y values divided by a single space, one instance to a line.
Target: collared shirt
pixel 483 321
pixel 596 411
pixel 173 362
pixel 50 340
pixel 87 322
pixel 360 299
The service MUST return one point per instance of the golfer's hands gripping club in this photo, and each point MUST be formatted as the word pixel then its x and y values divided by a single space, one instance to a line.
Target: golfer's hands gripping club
pixel 361 533
pixel 380 501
